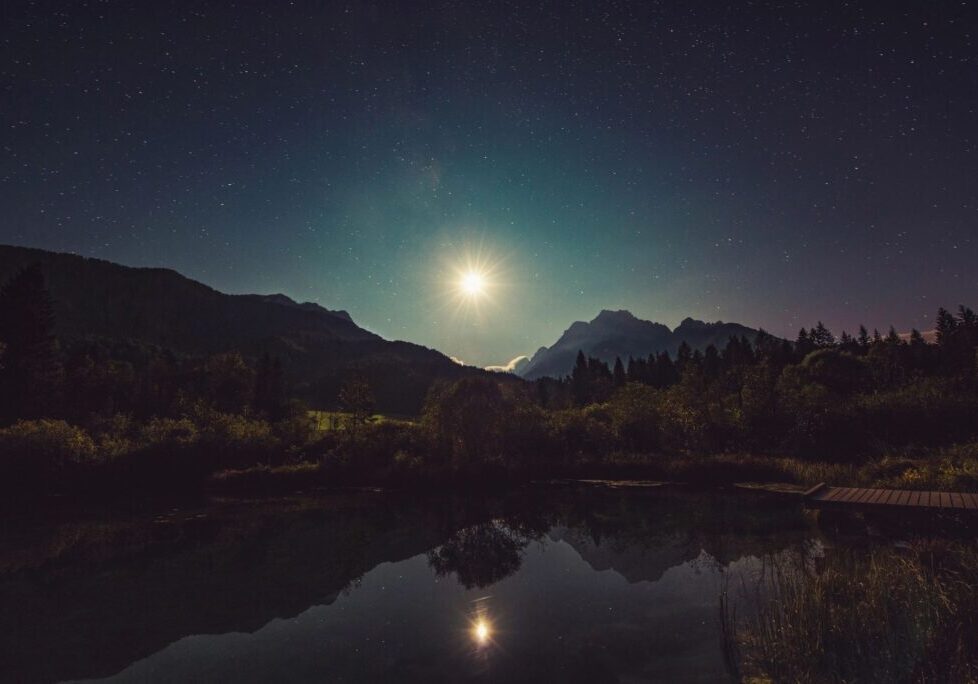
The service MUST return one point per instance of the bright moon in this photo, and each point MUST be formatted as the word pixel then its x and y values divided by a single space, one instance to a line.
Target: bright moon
pixel 473 284
pixel 481 632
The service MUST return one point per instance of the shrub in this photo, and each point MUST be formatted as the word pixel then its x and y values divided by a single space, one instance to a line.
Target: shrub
pixel 43 452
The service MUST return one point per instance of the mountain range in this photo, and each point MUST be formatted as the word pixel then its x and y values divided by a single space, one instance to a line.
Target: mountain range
pixel 319 348
pixel 620 334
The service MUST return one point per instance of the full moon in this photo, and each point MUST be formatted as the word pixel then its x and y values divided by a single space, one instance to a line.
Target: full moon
pixel 473 284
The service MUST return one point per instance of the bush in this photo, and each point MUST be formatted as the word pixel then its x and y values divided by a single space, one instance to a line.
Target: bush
pixel 578 434
pixel 230 440
pixel 634 418
pixel 43 453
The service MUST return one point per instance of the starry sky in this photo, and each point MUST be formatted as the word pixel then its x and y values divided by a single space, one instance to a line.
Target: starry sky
pixel 770 163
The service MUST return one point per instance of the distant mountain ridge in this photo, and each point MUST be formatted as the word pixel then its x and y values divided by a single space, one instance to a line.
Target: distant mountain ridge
pixel 620 334
pixel 319 348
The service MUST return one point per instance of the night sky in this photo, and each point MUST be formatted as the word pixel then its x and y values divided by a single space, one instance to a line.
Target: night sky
pixel 765 163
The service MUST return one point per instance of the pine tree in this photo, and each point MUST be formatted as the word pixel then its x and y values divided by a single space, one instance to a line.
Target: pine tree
pixel 863 338
pixel 711 362
pixel 31 372
pixel 946 325
pixel 618 375
pixel 821 336
pixel 581 379
pixel 269 387
pixel 683 356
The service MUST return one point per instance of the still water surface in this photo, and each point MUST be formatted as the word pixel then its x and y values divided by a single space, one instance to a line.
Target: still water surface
pixel 541 585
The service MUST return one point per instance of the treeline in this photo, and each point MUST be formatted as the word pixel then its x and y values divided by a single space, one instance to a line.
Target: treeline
pixel 870 399
pixel 886 361
pixel 121 411
pixel 96 414
pixel 42 377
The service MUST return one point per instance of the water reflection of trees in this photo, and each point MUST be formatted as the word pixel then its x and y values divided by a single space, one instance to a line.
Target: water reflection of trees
pixel 287 556
pixel 481 554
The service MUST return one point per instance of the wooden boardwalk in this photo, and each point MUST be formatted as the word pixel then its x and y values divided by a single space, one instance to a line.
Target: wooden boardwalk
pixel 823 496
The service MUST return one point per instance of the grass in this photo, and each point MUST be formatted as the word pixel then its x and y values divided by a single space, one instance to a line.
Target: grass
pixel 327 421
pixel 948 469
pixel 882 616
pixel 266 479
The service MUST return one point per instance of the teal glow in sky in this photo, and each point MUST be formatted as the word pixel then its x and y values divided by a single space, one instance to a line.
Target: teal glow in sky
pixel 770 164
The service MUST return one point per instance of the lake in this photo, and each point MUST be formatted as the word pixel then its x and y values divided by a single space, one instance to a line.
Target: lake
pixel 544 584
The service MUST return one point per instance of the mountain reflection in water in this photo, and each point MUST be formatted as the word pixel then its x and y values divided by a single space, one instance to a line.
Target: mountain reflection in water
pixel 546 585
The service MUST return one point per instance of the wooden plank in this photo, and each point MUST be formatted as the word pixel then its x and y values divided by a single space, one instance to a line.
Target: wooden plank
pixel 862 496
pixel 890 498
pixel 869 496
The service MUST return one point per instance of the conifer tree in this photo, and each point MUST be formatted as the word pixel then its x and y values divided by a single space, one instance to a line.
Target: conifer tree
pixel 30 370
pixel 618 375
pixel 946 325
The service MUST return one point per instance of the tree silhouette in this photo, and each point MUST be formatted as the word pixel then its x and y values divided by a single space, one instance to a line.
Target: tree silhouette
pixel 269 387
pixel 946 325
pixel 821 336
pixel 31 371
pixel 479 555
pixel 619 373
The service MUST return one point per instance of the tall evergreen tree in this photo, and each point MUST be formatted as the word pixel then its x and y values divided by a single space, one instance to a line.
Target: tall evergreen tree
pixel 31 371
pixel 618 375
pixel 946 325
pixel 711 362
pixel 821 336
pixel 683 356
pixel 581 379
pixel 967 317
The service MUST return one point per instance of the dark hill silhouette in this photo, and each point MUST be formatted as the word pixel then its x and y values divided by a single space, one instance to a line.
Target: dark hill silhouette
pixel 620 334
pixel 319 348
